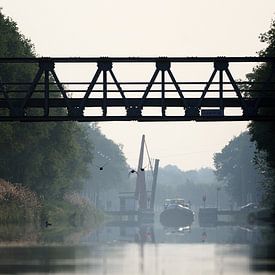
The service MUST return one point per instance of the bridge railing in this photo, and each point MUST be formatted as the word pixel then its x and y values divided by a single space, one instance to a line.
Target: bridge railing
pixel 165 95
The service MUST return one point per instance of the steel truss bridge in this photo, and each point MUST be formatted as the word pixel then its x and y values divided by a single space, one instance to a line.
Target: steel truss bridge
pixel 46 98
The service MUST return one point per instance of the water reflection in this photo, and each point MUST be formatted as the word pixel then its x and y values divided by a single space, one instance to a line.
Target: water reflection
pixel 262 258
pixel 123 232
pixel 177 230
pixel 148 249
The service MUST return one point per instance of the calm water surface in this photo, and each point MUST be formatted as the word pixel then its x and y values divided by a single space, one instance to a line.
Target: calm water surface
pixel 149 249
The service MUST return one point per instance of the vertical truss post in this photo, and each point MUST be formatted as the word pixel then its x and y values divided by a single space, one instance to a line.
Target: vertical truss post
pixel 46 65
pixel 163 65
pixel 221 65
pixel 104 103
pixel 46 105
pixel 163 107
pixel 104 65
pixel 221 89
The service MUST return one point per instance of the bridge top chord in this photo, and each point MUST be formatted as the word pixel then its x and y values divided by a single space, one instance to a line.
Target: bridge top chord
pixel 186 59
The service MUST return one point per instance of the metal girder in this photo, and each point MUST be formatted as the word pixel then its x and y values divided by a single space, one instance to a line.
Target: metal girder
pixel 237 59
pixel 139 119
pixel 149 102
pixel 38 98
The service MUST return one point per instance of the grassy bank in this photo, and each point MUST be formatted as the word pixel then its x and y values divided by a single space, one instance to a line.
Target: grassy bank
pixel 18 204
pixel 69 216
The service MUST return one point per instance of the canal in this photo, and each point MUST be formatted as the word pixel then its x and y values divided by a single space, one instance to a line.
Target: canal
pixel 147 249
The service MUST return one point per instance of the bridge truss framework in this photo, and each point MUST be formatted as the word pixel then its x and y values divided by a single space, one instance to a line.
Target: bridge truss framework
pixel 46 98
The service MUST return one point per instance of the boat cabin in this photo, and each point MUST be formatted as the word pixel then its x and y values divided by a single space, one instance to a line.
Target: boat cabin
pixel 178 201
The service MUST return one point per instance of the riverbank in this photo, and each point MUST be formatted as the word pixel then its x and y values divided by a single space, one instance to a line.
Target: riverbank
pixel 26 217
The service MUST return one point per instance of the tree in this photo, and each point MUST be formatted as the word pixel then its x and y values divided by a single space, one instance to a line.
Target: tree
pixel 263 132
pixel 235 167
pixel 189 185
pixel 109 169
pixel 51 158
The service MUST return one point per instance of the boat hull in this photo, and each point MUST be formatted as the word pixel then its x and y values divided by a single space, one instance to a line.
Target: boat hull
pixel 177 217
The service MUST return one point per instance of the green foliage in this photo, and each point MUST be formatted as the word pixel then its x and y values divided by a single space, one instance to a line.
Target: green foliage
pixel 269 38
pixel 263 132
pixel 12 42
pixel 50 158
pixel 237 170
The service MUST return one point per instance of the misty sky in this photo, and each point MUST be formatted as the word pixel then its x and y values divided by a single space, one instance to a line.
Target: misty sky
pixel 150 28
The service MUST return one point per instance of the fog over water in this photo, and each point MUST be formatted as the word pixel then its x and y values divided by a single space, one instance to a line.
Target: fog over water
pixel 149 249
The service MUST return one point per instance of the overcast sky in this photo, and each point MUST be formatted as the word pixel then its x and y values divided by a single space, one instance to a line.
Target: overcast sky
pixel 150 28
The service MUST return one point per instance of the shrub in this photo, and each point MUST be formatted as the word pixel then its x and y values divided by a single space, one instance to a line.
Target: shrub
pixel 18 204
